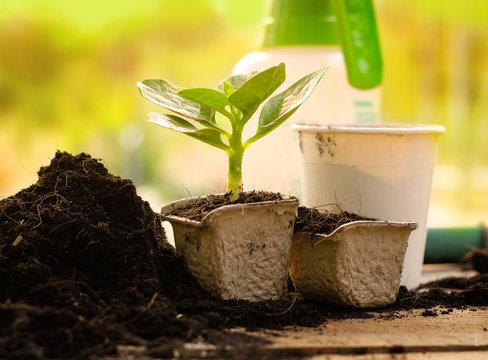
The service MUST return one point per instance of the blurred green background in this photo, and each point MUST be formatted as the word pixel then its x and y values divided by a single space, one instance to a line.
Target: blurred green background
pixel 68 73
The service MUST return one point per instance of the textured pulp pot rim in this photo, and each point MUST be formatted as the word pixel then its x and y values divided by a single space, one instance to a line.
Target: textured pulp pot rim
pixel 390 129
pixel 333 236
pixel 287 200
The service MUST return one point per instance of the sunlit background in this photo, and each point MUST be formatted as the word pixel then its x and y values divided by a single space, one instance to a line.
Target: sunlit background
pixel 68 73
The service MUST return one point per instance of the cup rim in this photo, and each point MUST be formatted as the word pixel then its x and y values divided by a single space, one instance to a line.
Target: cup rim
pixel 378 128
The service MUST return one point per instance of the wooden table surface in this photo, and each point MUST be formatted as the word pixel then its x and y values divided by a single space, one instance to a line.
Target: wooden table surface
pixel 459 334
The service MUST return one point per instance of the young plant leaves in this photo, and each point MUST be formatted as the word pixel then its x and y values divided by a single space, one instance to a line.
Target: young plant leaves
pixel 238 97
pixel 258 88
pixel 280 107
pixel 210 136
pixel 166 95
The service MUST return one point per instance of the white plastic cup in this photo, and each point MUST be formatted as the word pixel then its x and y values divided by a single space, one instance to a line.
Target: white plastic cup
pixel 382 171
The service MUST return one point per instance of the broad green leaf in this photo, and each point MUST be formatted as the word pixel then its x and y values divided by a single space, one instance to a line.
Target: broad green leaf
pixel 165 94
pixel 207 97
pixel 175 123
pixel 258 88
pixel 236 80
pixel 280 107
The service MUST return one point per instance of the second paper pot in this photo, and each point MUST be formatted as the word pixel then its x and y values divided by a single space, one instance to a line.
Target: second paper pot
pixel 378 171
pixel 358 265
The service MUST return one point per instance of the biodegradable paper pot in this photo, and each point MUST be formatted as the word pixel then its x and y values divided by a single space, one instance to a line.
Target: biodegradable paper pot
pixel 379 171
pixel 239 251
pixel 358 265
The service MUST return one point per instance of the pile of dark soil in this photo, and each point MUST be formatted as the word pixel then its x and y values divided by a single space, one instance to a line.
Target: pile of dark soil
pixel 86 271
pixel 82 265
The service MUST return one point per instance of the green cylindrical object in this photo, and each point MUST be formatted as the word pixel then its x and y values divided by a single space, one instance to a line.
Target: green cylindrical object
pixel 360 44
pixel 350 23
pixel 449 245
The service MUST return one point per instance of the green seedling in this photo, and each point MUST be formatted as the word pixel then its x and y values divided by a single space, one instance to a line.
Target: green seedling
pixel 237 99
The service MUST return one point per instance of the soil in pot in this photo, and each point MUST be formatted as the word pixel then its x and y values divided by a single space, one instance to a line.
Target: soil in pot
pixel 312 221
pixel 206 204
pixel 86 271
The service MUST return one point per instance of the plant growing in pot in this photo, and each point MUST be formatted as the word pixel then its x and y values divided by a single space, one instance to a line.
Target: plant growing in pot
pixel 239 250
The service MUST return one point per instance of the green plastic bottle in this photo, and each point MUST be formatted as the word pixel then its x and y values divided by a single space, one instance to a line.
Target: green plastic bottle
pixel 306 35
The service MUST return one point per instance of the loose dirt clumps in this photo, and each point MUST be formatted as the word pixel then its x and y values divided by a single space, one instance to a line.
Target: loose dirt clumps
pixel 86 271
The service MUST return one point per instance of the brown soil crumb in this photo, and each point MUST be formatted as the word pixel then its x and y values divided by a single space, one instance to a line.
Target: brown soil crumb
pixel 478 259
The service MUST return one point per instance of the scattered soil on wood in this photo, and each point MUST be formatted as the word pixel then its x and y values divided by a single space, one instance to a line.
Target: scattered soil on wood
pixel 455 292
pixel 206 204
pixel 86 271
